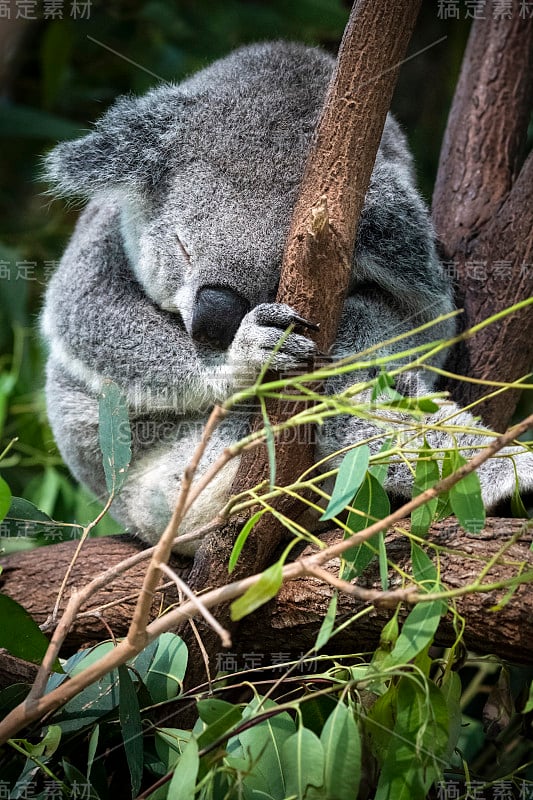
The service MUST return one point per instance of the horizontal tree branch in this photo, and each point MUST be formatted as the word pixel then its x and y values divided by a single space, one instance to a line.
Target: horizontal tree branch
pixel 291 622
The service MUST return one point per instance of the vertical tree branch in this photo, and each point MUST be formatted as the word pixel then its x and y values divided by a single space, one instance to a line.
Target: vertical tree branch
pixel 319 250
pixel 483 199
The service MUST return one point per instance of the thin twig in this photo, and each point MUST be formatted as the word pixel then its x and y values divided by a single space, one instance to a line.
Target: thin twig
pixel 209 618
pixel 34 707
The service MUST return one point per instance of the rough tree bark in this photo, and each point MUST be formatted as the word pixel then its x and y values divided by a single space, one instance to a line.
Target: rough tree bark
pixel 318 254
pixel 483 204
pixel 291 621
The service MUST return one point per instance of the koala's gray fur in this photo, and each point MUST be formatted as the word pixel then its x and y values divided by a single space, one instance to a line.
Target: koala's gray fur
pixel 192 186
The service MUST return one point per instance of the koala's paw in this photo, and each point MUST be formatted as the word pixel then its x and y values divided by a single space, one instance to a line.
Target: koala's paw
pixel 260 332
pixel 499 475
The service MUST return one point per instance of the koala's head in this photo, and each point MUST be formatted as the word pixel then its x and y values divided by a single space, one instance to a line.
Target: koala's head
pixel 205 174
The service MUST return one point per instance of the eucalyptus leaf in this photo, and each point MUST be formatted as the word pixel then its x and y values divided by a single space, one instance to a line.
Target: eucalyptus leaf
pixel 466 500
pixel 114 434
pixel 451 691
pixel 91 750
pixel 186 772
pixel 424 570
pixel 417 631
pixel 95 701
pixel 373 502
pixel 379 471
pixel 349 478
pixel 25 519
pixel 302 762
pixel 326 629
pixel 19 633
pixel 383 388
pixel 170 744
pixel 212 709
pixel 426 476
pixel 164 677
pixel 77 779
pixel 242 537
pixel 413 759
pixel 131 728
pixel 342 754
pixel 261 592
pixel 220 724
pixel 261 747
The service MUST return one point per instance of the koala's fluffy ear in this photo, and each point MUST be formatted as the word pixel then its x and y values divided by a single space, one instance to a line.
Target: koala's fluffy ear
pixel 128 146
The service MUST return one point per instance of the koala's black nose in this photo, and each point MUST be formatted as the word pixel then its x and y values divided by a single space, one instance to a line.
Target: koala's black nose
pixel 218 312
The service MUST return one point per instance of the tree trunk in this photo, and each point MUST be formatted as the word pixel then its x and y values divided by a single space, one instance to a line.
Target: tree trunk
pixel 483 205
pixel 318 255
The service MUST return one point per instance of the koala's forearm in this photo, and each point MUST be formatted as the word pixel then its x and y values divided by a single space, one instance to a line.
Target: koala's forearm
pixel 100 325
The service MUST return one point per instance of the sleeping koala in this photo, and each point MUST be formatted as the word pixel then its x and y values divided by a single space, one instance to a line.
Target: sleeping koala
pixel 168 285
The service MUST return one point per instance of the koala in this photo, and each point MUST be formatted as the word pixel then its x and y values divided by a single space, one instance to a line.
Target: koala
pixel 168 285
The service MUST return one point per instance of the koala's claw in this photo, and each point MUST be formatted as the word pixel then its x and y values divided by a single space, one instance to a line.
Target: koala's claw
pixel 304 323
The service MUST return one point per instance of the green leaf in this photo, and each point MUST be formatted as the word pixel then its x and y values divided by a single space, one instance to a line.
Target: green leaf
pixel 220 724
pixel 261 747
pixel 170 744
pixel 413 759
pixel 164 678
pixel 372 501
pixel 379 471
pixel 426 476
pixel 242 537
pixel 326 629
pixel 383 566
pixel 302 762
pixel 212 709
pixel 383 388
pixel 131 728
pixel 20 634
pixel 25 519
pixel 91 750
pixel 415 404
pixel 349 478
pixel 316 709
pixel 114 435
pixel 342 754
pixel 93 702
pixel 261 592
pixel 424 570
pixel 466 500
pixel 444 508
pixel 77 779
pixel 417 632
pixel 5 498
pixel 518 508
pixel 184 779
pixel 451 691
pixel 387 640
pixel 379 722
pixel 529 704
